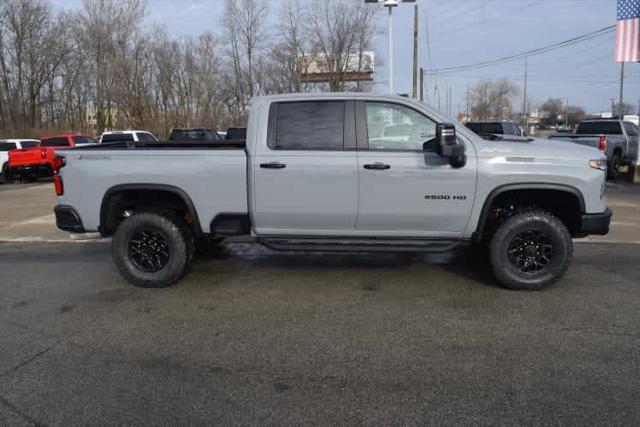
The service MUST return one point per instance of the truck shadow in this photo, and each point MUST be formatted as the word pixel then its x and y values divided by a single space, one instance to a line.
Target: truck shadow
pixel 467 261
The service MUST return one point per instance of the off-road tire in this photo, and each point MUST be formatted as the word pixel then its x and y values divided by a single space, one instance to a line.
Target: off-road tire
pixel 510 242
pixel 178 241
pixel 613 168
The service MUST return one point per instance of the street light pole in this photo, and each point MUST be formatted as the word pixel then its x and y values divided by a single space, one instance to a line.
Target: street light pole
pixel 390 4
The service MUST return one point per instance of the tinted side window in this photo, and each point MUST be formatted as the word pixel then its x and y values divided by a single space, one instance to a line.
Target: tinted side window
pixel 510 129
pixel 6 146
pixel 632 129
pixel 55 142
pixel 312 125
pixel 607 128
pixel 115 137
pixel 83 140
pixel 29 144
pixel 145 137
pixel 395 127
pixel 495 128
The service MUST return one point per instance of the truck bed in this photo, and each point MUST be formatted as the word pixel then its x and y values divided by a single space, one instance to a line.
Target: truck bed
pixel 212 176
pixel 230 144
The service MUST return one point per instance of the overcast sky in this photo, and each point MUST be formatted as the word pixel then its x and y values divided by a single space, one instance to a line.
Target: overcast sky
pixel 468 31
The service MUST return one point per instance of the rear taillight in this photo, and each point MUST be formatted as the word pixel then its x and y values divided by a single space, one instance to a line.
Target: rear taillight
pixel 58 163
pixel 43 153
pixel 602 143
pixel 57 182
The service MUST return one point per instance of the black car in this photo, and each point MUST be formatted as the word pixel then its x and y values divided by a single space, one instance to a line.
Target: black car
pixel 236 133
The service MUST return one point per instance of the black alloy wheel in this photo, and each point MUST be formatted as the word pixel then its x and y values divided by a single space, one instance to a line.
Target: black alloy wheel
pixel 531 251
pixel 149 250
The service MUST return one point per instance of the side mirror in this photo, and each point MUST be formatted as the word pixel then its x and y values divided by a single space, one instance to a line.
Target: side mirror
pixel 448 146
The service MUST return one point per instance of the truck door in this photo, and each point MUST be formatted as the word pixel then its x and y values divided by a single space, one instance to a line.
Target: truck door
pixel 306 179
pixel 405 188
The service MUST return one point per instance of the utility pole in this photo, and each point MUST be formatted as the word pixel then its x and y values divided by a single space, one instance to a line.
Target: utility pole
pixel 421 84
pixel 621 89
pixel 467 112
pixel 524 97
pixel 415 51
pixel 613 100
pixel 566 112
pixel 450 101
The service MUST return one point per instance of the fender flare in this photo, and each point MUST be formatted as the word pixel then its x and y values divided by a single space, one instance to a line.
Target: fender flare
pixel 477 235
pixel 153 187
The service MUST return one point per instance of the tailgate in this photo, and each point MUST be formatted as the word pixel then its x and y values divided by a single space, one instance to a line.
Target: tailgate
pixel 26 156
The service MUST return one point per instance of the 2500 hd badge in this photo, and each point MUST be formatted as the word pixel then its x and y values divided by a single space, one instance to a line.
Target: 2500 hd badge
pixel 444 197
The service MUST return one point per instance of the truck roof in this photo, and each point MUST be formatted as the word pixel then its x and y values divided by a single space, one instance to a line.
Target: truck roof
pixel 113 132
pixel 62 135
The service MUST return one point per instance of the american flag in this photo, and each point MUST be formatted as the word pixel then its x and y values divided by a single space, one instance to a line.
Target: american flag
pixel 628 31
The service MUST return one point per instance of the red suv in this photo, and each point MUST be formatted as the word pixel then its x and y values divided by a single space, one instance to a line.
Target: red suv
pixel 36 162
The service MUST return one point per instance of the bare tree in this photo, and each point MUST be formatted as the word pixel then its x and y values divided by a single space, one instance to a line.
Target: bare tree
pixel 29 59
pixel 550 110
pixel 98 67
pixel 106 29
pixel 492 99
pixel 340 29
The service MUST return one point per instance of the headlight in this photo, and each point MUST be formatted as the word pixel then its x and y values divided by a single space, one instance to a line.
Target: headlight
pixel 599 164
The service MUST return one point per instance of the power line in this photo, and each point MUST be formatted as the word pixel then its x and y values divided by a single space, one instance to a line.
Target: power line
pixel 531 52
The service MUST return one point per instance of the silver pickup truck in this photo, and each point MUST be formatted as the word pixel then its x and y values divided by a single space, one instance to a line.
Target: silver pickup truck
pixel 617 138
pixel 338 172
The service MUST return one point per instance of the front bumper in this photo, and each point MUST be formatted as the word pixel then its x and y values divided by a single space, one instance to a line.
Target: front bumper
pixel 67 219
pixel 596 223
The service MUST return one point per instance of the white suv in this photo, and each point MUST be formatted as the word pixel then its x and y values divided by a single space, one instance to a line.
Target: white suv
pixel 12 144
pixel 127 135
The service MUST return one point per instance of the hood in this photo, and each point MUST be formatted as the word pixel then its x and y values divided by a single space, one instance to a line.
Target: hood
pixel 539 149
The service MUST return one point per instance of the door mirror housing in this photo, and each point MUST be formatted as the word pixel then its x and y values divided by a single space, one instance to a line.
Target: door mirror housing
pixel 448 145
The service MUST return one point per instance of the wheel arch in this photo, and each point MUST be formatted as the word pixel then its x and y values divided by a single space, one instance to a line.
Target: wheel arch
pixel 523 188
pixel 113 194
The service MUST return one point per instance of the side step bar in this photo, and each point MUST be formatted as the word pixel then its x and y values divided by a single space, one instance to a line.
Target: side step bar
pixel 358 245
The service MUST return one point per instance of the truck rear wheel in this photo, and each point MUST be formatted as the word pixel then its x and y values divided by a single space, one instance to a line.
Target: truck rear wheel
pixel 530 250
pixel 613 168
pixel 151 250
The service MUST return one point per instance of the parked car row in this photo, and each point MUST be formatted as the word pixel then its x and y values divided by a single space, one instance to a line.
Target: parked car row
pixel 30 159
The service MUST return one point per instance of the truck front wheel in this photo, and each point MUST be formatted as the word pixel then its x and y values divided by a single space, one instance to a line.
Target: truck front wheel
pixel 530 250
pixel 151 250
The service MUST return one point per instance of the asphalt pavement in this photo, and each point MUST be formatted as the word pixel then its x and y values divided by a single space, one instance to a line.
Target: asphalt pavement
pixel 253 336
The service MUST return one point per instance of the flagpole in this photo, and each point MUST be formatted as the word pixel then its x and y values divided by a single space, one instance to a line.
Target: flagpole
pixel 621 89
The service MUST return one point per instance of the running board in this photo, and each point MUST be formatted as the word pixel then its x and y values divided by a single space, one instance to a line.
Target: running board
pixel 358 245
